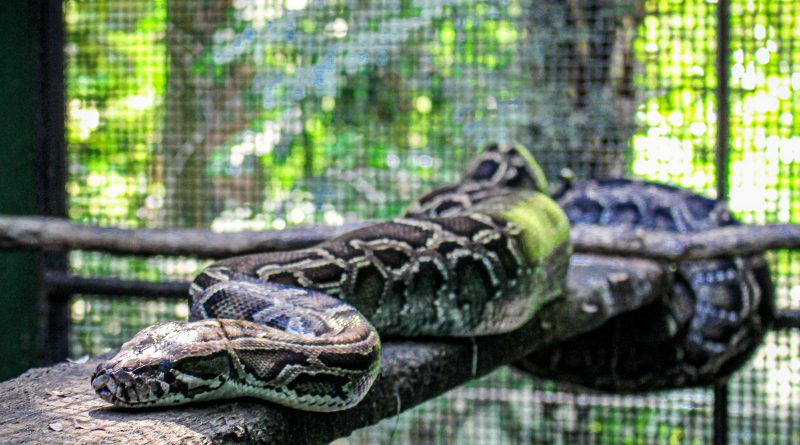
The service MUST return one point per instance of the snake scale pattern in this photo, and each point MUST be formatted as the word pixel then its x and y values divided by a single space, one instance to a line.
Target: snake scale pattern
pixel 302 328
pixel 478 257
pixel 704 327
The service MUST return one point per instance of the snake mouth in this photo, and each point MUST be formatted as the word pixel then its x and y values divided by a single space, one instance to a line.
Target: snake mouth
pixel 105 385
pixel 103 391
pixel 123 388
pixel 110 387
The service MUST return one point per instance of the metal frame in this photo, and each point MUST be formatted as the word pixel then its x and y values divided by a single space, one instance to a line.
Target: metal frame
pixel 721 415
pixel 20 185
pixel 33 173
pixel 52 146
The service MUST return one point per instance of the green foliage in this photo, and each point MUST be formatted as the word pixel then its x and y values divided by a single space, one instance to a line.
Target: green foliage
pixel 358 103
pixel 116 80
pixel 677 49
pixel 363 103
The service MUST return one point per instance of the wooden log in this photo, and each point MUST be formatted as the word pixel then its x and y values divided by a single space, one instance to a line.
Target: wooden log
pixel 731 240
pixel 57 404
pixel 53 234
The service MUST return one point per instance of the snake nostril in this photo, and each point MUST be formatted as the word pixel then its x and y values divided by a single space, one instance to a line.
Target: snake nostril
pixel 169 377
pixel 99 379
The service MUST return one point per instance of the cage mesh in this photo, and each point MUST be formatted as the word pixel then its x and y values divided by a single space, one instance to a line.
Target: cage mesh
pixel 260 114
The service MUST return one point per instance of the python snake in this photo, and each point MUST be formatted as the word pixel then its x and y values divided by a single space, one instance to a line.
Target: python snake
pixel 302 328
pixel 702 328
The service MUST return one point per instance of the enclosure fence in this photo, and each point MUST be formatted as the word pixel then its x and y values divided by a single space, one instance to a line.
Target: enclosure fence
pixel 262 114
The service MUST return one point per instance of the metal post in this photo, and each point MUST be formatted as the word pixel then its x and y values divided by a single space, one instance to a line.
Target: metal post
pixel 721 419
pixel 721 414
pixel 51 147
pixel 722 96
pixel 18 187
pixel 32 174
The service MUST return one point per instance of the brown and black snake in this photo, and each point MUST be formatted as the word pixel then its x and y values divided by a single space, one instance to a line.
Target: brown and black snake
pixel 479 257
pixel 302 328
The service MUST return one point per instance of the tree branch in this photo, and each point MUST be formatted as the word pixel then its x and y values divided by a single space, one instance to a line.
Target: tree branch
pixel 53 234
pixel 57 404
pixel 730 240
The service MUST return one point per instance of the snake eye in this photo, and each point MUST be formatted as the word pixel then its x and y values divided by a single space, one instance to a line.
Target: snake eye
pixel 485 170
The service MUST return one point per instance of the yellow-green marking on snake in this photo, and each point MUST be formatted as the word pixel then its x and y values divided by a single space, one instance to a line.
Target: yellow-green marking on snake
pixel 301 328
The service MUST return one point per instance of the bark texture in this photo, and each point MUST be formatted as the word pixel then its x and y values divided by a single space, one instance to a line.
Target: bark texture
pixel 54 234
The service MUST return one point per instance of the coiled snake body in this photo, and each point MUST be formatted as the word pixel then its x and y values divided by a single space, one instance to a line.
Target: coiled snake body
pixel 301 328
pixel 705 325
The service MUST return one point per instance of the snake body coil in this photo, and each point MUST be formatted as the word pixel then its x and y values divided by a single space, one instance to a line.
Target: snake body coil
pixel 706 324
pixel 301 328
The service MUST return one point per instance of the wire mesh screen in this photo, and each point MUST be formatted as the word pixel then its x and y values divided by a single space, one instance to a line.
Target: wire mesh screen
pixel 260 114
pixel 763 179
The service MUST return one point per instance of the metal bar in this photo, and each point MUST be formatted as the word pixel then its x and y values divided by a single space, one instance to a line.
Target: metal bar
pixel 722 96
pixel 20 190
pixel 51 112
pixel 787 319
pixel 59 283
pixel 51 146
pixel 63 283
pixel 721 418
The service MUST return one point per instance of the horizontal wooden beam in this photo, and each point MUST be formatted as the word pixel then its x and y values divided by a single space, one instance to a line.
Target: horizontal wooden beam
pixel 56 234
pixel 723 241
pixel 53 234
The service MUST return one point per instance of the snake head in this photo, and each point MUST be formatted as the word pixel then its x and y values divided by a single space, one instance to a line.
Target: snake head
pixel 147 371
pixel 508 165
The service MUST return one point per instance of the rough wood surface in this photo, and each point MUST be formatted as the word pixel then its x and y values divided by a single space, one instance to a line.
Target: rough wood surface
pixel 725 241
pixel 56 234
pixel 57 405
pixel 53 234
